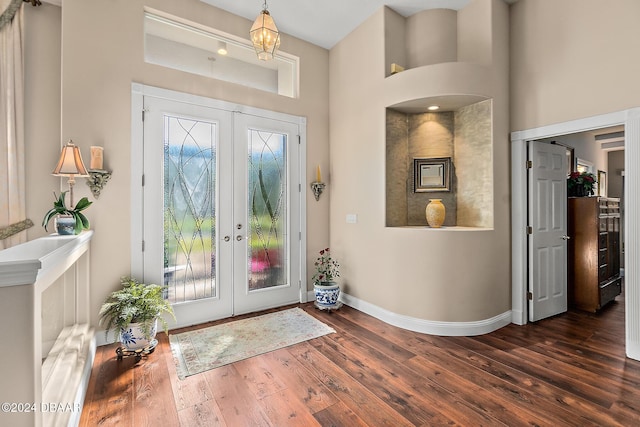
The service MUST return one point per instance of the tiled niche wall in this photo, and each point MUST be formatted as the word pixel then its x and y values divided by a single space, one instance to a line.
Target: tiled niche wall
pixel 463 135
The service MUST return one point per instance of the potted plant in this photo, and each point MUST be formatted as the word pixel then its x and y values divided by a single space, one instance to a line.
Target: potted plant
pixel 69 220
pixel 325 288
pixel 134 311
pixel 580 184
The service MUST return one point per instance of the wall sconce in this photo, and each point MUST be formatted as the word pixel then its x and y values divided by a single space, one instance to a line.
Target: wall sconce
pixel 318 186
pixel 70 165
pixel 98 177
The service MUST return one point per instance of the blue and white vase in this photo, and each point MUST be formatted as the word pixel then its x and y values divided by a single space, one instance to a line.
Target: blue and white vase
pixel 327 294
pixel 134 338
pixel 65 225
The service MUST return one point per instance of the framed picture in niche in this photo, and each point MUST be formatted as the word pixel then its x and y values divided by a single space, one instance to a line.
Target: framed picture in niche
pixel 431 174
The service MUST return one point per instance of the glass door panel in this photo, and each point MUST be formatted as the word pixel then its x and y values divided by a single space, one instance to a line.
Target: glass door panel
pixel 189 208
pixel 266 204
pixel 267 210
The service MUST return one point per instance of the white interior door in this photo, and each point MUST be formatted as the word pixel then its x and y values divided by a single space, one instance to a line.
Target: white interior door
pixel 221 209
pixel 548 237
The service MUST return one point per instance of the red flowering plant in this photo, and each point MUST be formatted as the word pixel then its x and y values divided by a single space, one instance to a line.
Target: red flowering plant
pixel 327 268
pixel 580 184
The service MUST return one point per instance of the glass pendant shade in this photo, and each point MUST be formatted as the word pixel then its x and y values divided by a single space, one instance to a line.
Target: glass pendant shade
pixel 265 36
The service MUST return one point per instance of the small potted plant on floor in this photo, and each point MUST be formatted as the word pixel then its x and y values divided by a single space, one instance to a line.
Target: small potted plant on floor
pixel 325 287
pixel 70 220
pixel 134 311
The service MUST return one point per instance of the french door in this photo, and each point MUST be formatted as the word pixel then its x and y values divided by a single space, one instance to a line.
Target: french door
pixel 221 208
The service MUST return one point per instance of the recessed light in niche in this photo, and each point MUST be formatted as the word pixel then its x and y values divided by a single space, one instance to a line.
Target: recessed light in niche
pixel 433 107
pixel 222 48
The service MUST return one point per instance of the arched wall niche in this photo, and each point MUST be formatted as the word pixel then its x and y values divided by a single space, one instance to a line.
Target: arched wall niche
pixel 459 130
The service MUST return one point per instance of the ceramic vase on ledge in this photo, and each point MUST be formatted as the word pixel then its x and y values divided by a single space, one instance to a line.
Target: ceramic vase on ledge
pixel 65 225
pixel 435 213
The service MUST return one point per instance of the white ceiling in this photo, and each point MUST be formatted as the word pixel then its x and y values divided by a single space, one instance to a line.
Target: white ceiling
pixel 326 22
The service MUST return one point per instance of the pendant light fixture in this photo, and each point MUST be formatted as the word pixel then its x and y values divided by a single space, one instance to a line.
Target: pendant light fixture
pixel 264 35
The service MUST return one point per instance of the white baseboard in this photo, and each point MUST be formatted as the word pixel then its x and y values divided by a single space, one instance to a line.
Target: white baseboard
pixel 517 317
pixel 102 340
pixel 431 327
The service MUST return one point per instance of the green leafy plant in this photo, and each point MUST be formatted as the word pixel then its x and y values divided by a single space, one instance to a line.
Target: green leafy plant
pixel 60 208
pixel 327 268
pixel 135 303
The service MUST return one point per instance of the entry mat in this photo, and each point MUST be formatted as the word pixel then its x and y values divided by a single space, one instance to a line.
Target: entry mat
pixel 208 348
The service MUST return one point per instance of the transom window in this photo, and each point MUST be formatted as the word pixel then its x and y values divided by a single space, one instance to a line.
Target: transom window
pixel 190 47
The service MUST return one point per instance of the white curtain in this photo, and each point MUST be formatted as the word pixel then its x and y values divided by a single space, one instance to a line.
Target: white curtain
pixel 12 169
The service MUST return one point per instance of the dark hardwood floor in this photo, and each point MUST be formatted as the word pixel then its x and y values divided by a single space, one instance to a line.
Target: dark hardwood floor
pixel 569 370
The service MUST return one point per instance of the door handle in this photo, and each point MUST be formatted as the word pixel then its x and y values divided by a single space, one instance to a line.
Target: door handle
pixel 239 238
pixel 227 238
pixel 565 237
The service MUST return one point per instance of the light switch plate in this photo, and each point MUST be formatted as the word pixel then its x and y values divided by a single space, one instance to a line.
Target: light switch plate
pixel 352 218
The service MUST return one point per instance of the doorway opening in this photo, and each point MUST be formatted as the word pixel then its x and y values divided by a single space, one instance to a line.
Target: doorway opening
pixel 630 120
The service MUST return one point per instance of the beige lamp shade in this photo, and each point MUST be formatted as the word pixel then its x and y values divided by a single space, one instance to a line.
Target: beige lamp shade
pixel 265 36
pixel 70 163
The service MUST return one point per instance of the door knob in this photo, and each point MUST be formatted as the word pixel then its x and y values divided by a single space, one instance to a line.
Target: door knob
pixel 227 238
pixel 239 237
pixel 565 237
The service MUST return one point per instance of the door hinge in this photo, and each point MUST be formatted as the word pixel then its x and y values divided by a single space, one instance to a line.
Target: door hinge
pixel 530 296
pixel 299 140
pixel 300 235
pixel 143 180
pixel 143 246
pixel 143 115
pixel 299 188
pixel 529 164
pixel 529 229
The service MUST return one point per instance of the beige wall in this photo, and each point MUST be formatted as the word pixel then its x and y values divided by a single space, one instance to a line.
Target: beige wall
pixel 572 59
pixel 431 37
pixel 561 69
pixel 414 272
pixel 42 111
pixel 102 54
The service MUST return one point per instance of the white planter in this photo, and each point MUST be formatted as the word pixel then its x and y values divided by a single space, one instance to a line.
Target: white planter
pixel 327 294
pixel 133 338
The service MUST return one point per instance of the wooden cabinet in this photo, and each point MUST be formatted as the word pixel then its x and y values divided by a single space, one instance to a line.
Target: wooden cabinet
pixel 593 225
